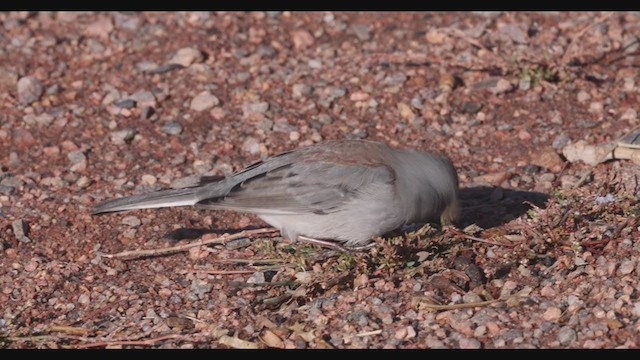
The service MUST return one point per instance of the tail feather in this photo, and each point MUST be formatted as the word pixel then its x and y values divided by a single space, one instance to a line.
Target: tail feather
pixel 158 199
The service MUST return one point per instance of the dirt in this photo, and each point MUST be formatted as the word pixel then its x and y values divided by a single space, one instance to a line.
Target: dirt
pixel 94 106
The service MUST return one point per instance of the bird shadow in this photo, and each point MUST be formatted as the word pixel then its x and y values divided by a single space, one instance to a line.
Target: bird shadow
pixel 489 207
pixel 485 206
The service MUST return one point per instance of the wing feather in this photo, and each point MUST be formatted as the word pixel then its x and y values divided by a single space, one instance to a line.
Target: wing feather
pixel 319 187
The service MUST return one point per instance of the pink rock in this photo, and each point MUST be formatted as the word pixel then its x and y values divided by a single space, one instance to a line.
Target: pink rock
pixel 301 39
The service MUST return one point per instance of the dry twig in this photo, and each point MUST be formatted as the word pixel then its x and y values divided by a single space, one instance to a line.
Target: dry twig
pixel 432 306
pixel 146 342
pixel 469 237
pixel 136 254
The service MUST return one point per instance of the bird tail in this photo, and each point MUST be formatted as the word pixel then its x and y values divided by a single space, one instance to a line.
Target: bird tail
pixel 158 199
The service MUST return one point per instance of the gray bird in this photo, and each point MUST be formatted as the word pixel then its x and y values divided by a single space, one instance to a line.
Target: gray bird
pixel 340 192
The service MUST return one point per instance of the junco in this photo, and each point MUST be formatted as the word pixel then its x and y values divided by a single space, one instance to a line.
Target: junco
pixel 339 192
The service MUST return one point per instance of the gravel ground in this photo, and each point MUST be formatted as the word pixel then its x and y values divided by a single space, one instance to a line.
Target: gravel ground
pixel 99 105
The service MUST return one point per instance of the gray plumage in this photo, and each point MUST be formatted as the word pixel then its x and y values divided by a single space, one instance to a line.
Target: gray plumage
pixel 346 191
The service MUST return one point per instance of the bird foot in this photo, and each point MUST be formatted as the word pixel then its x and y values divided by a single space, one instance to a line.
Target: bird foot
pixel 334 245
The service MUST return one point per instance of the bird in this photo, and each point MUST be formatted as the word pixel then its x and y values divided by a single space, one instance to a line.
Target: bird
pixel 340 193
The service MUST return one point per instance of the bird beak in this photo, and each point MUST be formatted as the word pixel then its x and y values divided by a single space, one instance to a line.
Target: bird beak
pixel 451 213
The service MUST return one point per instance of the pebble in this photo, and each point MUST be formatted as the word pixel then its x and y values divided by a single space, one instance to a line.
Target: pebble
pixel 301 39
pixel 486 84
pixel 146 66
pixel 125 104
pixel 200 287
pixel 282 125
pixel 84 299
pixel 144 98
pixel 266 50
pixel 204 101
pixel 395 79
pixel 502 86
pixel 264 124
pixel 218 113
pixel 586 124
pixel 405 111
pixel 187 56
pixel 524 84
pixel 100 28
pixel 127 22
pixel 515 33
pixel 358 134
pixel 29 90
pixel 20 231
pixel 568 181
pixel 238 244
pixel 315 64
pixel 480 331
pixel 552 314
pixel 256 278
pixel 83 182
pixel 54 182
pixel 294 136
pixel 131 220
pixel 301 90
pixel 272 340
pixel 259 107
pixel 411 332
pixel 78 159
pixel 627 267
pixel 548 159
pixel 359 96
pixel 469 343
pixel 560 141
pixel 546 177
pixel 494 178
pixel 165 68
pixel 566 335
pixel 548 292
pixel 146 112
pixel 401 333
pixel 172 127
pixel 95 46
pixel 362 31
pixel 556 118
pixel 11 181
pixel 51 150
pixel 149 179
pixel 417 102
pixel 44 119
pixel 524 135
pixel 583 96
pixel 596 107
pixel 435 37
pixel 251 145
pixel 29 119
pixel 120 137
pixel 325 119
pixel 471 107
pixel 471 297
pixel 630 115
pixel 31 266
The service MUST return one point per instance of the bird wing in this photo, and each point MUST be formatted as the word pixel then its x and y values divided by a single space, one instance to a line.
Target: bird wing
pixel 301 186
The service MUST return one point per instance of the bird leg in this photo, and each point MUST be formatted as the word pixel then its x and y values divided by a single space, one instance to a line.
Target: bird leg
pixel 334 245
